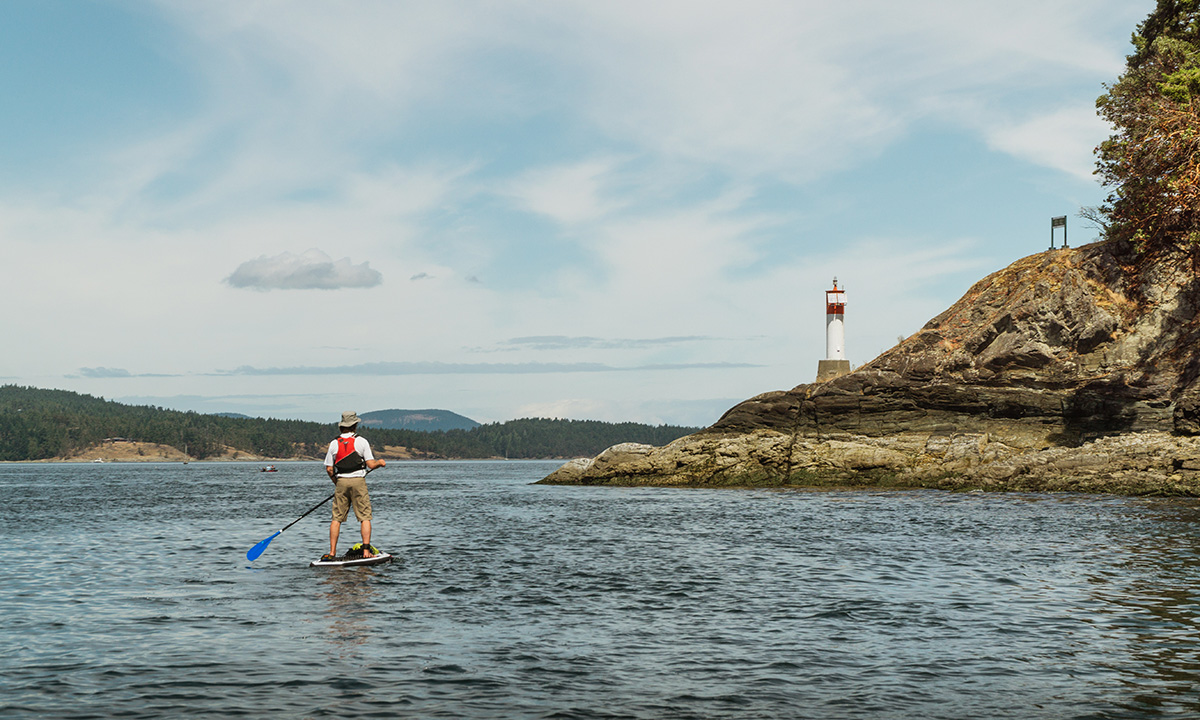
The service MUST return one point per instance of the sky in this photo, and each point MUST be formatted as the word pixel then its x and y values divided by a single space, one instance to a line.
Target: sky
pixel 618 211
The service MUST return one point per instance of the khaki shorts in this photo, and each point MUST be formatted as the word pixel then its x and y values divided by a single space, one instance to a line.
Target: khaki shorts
pixel 351 490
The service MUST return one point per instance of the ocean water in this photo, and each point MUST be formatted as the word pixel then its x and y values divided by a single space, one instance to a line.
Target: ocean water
pixel 126 594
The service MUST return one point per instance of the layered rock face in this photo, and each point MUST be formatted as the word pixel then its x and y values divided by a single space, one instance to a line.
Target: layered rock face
pixel 1073 368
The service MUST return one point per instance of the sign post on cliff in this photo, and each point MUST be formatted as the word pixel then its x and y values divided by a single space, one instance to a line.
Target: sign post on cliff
pixel 1058 222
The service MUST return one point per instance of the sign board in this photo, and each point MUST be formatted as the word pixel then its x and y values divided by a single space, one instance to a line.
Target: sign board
pixel 1058 222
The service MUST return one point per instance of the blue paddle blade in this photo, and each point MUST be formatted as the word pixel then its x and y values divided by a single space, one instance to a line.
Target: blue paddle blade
pixel 253 553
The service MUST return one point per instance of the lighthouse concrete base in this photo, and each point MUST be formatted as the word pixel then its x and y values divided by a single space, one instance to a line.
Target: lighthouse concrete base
pixel 829 369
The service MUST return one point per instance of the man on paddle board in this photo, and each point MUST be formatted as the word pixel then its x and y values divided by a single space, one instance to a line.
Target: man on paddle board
pixel 347 462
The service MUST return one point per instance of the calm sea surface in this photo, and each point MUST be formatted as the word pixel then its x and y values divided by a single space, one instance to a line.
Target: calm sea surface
pixel 126 593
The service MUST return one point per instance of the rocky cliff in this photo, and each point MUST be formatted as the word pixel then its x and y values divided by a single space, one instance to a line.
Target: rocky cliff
pixel 1069 369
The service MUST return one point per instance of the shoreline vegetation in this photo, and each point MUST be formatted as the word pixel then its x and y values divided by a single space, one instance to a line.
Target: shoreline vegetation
pixel 122 450
pixel 61 426
pixel 132 451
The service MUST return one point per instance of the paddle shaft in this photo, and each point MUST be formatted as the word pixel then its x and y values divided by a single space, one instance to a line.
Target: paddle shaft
pixel 261 547
pixel 314 507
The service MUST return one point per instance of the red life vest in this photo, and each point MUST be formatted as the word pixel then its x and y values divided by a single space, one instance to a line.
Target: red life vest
pixel 348 459
pixel 345 447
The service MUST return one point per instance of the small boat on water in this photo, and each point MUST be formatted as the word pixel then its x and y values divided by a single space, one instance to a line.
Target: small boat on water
pixel 269 468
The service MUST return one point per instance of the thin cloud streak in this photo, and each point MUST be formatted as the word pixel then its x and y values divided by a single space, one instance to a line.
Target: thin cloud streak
pixel 105 373
pixel 565 342
pixel 440 368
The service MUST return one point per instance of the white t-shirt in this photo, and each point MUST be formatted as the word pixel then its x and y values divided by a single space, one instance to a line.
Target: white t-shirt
pixel 360 444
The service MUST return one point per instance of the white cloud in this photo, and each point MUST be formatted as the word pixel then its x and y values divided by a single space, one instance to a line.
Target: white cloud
pixel 311 270
pixel 750 88
pixel 797 89
pixel 787 89
pixel 1063 140
pixel 569 194
pixel 673 256
pixel 672 145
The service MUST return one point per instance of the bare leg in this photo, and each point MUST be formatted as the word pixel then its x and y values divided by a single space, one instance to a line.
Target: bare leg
pixel 366 537
pixel 335 529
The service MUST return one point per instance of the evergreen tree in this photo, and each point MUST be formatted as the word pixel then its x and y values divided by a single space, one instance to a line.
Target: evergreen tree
pixel 36 424
pixel 1152 160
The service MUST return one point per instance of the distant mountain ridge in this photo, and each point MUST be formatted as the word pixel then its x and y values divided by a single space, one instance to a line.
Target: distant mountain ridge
pixel 421 420
pixel 42 424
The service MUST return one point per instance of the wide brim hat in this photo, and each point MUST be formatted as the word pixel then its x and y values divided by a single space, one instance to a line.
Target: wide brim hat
pixel 349 419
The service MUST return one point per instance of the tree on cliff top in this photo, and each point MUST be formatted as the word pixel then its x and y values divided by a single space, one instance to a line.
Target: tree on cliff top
pixel 1152 160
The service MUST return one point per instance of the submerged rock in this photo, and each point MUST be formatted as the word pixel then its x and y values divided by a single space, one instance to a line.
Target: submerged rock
pixel 1070 369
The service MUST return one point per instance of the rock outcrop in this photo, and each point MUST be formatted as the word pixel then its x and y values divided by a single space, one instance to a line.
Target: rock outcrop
pixel 1069 369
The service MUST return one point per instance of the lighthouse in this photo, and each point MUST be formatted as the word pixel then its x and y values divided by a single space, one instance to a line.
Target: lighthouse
pixel 835 363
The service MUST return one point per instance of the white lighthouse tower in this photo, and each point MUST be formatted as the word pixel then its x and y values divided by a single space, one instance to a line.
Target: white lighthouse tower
pixel 835 362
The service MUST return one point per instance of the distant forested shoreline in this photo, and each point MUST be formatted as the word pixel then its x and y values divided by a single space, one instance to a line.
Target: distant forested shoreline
pixel 40 424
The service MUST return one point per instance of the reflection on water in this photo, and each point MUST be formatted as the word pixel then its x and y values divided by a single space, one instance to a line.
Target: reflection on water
pixel 1149 597
pixel 521 601
pixel 350 594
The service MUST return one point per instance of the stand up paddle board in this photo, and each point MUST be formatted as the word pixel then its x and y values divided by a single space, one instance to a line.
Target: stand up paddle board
pixel 343 561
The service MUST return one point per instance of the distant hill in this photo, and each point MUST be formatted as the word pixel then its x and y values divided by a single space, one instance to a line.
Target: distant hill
pixel 38 424
pixel 422 420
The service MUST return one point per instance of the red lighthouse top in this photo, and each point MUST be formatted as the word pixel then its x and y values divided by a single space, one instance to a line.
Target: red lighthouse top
pixel 835 300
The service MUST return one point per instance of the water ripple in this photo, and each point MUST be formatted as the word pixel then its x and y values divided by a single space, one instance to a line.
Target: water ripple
pixel 521 601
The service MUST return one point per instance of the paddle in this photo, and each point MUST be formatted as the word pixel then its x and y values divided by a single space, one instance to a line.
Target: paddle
pixel 261 547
